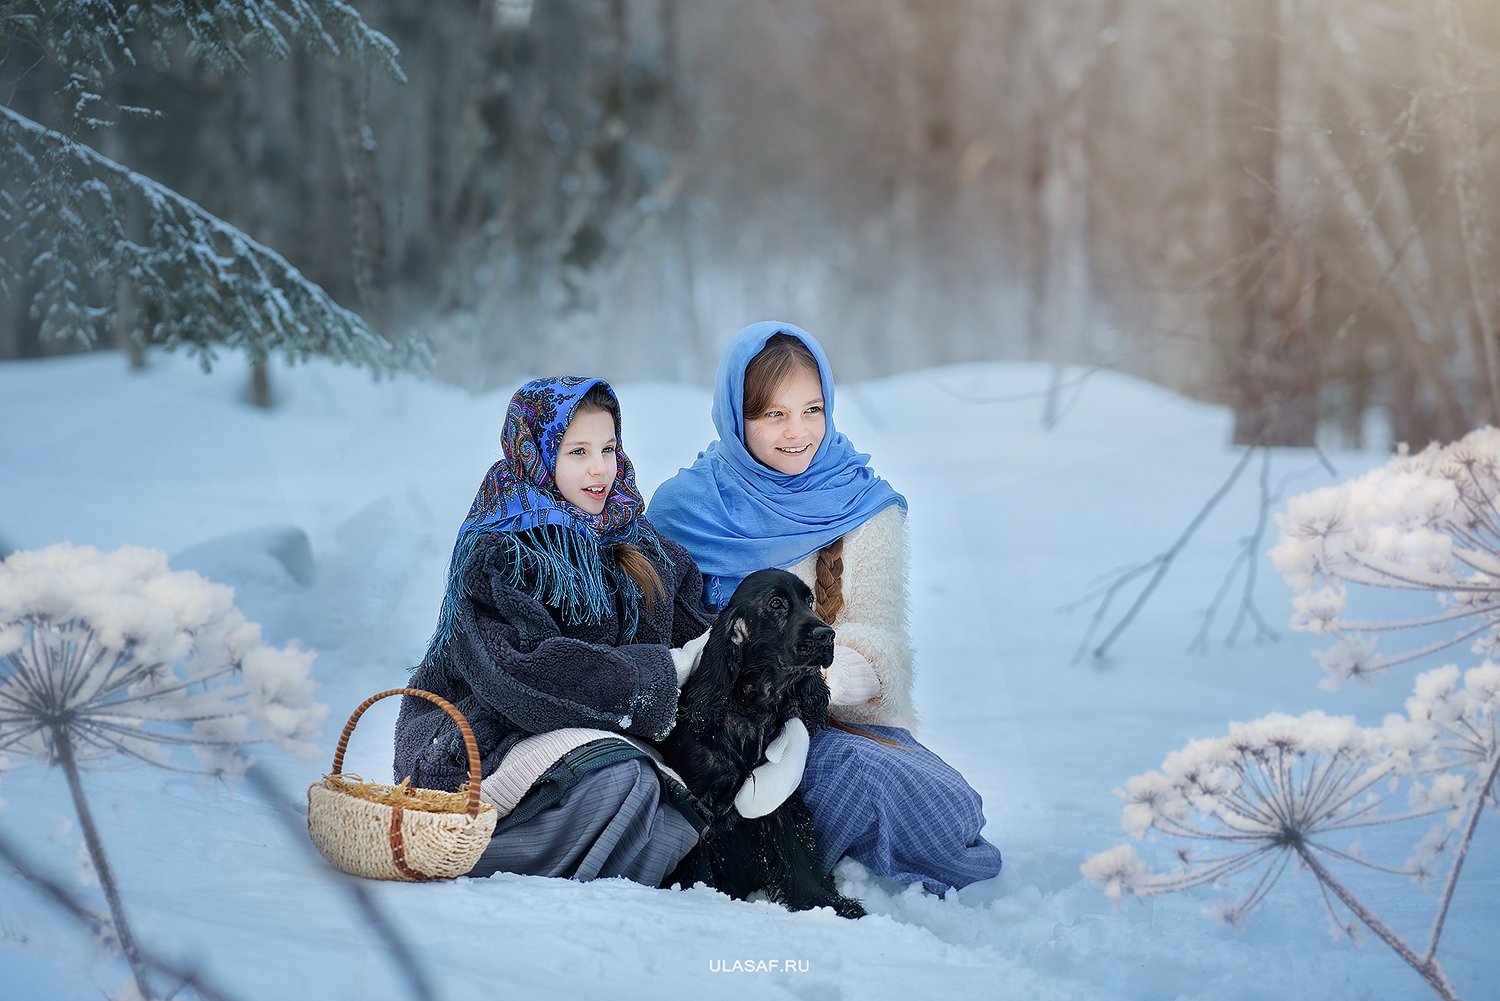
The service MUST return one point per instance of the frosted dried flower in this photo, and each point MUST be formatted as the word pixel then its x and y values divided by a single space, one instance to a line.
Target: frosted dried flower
pixel 107 655
pixel 128 657
pixel 1424 522
pixel 1247 803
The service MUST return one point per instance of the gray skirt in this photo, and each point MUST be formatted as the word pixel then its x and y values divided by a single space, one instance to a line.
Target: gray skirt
pixel 616 820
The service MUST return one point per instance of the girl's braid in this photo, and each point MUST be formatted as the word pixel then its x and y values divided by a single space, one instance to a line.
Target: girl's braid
pixel 828 594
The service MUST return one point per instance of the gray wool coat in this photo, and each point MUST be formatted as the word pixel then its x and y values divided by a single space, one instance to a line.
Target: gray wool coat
pixel 514 669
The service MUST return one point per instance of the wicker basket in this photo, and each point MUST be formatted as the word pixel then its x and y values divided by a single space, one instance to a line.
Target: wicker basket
pixel 396 832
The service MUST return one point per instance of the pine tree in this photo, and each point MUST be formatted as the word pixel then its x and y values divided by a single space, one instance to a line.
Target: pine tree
pixel 197 283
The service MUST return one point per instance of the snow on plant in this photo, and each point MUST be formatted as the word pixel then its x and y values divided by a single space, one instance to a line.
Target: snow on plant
pixel 1282 791
pixel 123 655
pixel 1247 804
pixel 115 655
pixel 1424 522
pixel 1450 740
pixel 1460 723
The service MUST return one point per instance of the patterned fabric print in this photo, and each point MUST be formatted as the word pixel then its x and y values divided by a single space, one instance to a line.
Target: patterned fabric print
pixel 558 550
pixel 519 492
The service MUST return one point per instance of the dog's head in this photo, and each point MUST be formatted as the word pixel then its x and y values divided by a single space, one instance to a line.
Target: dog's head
pixel 767 644
pixel 770 618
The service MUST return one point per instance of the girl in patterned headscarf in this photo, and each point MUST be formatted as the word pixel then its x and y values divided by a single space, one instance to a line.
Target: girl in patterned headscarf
pixel 567 627
pixel 567 518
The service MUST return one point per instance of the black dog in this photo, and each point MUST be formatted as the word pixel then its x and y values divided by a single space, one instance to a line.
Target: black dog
pixel 761 666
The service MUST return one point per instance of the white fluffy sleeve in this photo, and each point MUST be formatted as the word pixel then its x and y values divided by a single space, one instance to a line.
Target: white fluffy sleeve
pixel 874 619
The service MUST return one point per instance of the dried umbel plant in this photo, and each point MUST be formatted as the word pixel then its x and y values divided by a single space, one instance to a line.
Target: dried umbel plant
pixel 116 656
pixel 1424 522
pixel 1283 790
pixel 1247 804
pixel 1288 790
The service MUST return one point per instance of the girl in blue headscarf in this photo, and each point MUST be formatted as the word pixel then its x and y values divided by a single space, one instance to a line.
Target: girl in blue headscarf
pixel 781 487
pixel 567 627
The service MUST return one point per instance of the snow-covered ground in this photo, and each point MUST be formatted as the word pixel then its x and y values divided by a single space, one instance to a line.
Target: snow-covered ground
pixel 332 517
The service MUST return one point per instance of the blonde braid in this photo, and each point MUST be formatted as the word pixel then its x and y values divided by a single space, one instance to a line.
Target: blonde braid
pixel 829 590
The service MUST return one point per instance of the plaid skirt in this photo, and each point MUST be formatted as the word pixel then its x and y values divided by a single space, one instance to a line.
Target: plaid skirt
pixel 584 822
pixel 901 812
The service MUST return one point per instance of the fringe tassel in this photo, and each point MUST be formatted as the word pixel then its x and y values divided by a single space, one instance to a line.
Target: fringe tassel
pixel 448 612
pixel 564 570
pixel 648 534
pixel 558 567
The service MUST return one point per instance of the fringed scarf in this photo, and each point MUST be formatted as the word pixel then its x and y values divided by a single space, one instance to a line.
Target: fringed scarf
pixel 556 551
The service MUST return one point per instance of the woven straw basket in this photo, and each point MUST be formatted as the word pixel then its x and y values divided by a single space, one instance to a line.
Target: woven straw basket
pixel 395 832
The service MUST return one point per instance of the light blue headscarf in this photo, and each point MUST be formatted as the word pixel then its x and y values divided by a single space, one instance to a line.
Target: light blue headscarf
pixel 734 515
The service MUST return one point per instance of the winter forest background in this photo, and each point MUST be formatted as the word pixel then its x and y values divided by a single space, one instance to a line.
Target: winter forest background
pixel 1156 305
pixel 1282 206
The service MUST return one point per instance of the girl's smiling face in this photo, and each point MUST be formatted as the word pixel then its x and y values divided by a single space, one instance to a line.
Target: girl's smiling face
pixel 787 433
pixel 587 460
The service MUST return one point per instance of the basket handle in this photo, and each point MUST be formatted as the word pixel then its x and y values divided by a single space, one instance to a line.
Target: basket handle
pixel 470 744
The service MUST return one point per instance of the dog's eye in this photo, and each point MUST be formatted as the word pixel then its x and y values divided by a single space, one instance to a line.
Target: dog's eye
pixel 777 603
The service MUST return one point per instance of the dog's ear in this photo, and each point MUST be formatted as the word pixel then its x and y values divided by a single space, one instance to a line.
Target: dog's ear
pixel 812 698
pixel 706 694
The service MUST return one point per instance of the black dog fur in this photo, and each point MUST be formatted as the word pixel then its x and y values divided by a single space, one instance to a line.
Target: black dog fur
pixel 760 667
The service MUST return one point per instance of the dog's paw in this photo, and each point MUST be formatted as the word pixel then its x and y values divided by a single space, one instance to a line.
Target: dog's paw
pixel 847 907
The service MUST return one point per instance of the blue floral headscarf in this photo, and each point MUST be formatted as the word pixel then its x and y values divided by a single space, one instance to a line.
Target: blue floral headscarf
pixel 556 550
pixel 735 515
pixel 520 490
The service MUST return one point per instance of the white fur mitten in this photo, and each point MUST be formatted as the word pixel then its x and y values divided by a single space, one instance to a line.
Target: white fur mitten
pixel 771 783
pixel 851 679
pixel 685 657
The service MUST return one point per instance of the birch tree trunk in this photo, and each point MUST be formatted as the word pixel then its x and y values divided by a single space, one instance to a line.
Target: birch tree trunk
pixel 1474 217
pixel 1273 369
pixel 1060 64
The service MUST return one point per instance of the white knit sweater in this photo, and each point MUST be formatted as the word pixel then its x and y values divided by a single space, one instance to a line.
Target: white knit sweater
pixel 874 618
pixel 529 759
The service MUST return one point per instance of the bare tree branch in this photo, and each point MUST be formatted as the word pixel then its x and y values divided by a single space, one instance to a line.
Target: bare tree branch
pixel 1162 562
pixel 1472 208
pixel 97 924
pixel 402 954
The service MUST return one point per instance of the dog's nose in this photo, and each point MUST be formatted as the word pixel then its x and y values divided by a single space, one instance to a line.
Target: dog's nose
pixel 822 635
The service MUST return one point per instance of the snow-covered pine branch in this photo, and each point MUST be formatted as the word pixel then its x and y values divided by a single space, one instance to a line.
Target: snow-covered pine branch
pixel 204 283
pixel 90 40
pixel 1425 522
